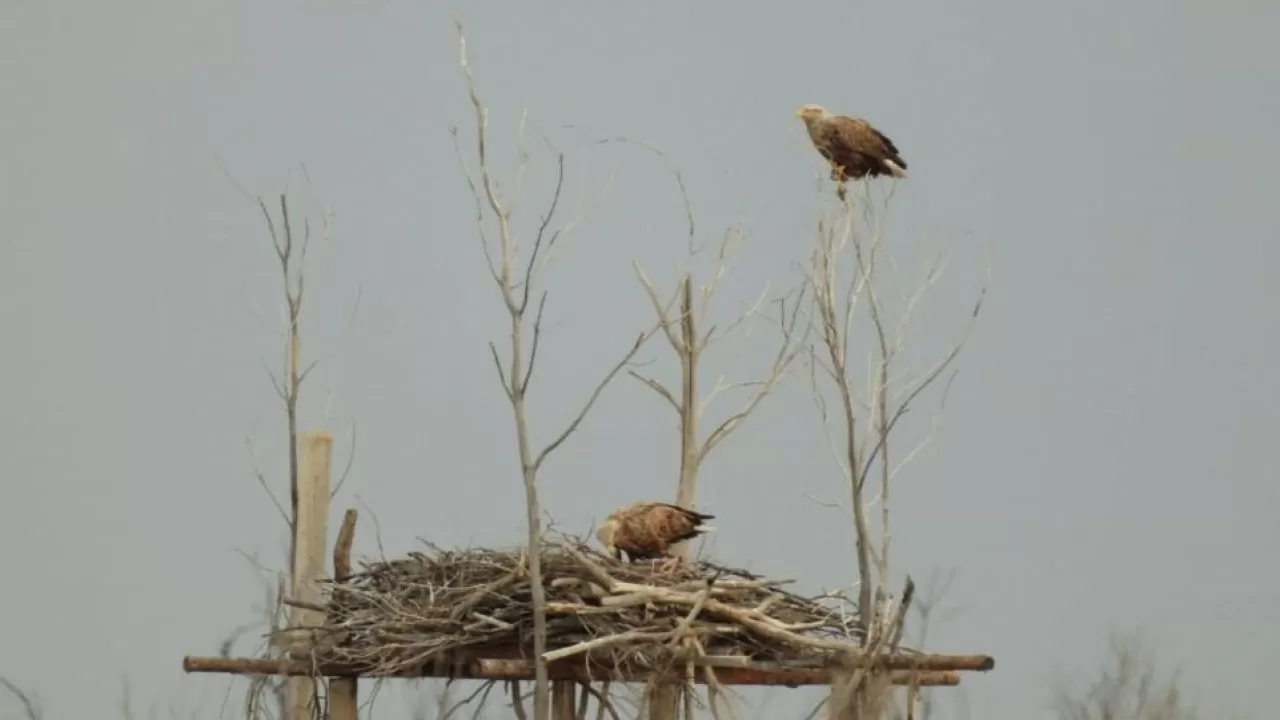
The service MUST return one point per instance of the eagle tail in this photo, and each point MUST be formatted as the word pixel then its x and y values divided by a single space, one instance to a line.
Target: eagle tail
pixel 897 167
pixel 692 533
pixel 700 525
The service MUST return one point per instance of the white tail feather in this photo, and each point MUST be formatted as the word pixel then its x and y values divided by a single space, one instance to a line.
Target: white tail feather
pixel 895 169
pixel 705 529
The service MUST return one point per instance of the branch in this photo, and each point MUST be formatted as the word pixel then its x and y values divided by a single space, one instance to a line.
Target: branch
pixel 662 311
pixel 29 707
pixel 929 377
pixel 595 395
pixel 262 480
pixel 788 350
pixel 351 458
pixel 537 336
pixel 657 387
pixel 542 230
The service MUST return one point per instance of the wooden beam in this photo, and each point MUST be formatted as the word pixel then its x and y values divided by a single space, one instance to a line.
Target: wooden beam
pixel 343 692
pixel 791 677
pixel 505 669
pixel 315 451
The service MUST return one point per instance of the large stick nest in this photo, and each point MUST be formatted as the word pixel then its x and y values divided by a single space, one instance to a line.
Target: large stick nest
pixel 397 616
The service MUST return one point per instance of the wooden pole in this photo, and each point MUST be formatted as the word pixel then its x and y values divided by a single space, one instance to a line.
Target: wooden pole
pixel 562 700
pixel 315 453
pixel 344 691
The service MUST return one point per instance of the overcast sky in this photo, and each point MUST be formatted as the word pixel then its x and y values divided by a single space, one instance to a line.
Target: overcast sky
pixel 1104 456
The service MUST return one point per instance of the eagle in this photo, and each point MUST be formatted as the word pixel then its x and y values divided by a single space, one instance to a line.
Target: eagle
pixel 645 530
pixel 853 148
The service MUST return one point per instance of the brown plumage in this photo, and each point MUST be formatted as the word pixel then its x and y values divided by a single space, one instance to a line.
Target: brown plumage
pixel 645 530
pixel 853 148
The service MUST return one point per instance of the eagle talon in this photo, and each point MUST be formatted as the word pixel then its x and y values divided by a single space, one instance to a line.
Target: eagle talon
pixel 671 565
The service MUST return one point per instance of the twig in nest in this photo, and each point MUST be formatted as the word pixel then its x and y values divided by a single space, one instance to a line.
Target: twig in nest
pixel 682 629
pixel 602 577
pixel 603 642
pixel 481 593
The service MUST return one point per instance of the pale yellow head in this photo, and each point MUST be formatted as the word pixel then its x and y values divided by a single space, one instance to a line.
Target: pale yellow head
pixel 812 113
pixel 605 535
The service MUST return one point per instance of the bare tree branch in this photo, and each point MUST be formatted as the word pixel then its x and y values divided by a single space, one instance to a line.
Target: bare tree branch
pixel 591 401
pixel 516 291
pixel 788 349
pixel 657 387
pixel 1128 687
pixel 291 249
pixel 29 706
pixel 262 480
pixel 688 342
pixel 351 457
pixel 867 422
pixel 866 442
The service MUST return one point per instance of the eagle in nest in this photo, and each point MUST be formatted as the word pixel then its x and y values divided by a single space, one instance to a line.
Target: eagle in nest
pixel 645 530
pixel 853 148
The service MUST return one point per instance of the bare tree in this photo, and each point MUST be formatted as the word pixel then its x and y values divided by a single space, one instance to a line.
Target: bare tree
pixel 1129 686
pixel 689 337
pixel 290 245
pixel 517 290
pixel 291 254
pixel 867 418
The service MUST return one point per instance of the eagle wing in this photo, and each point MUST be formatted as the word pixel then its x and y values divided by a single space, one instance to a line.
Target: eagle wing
pixel 650 526
pixel 860 136
pixel 890 149
pixel 831 143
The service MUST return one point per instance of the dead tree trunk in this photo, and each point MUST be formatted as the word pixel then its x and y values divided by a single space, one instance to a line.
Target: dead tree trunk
pixel 315 450
pixel 664 700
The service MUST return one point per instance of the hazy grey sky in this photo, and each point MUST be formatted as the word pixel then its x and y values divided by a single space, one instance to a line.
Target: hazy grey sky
pixel 1104 460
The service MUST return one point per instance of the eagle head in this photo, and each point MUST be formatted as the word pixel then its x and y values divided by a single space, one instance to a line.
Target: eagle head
pixel 811 113
pixel 605 535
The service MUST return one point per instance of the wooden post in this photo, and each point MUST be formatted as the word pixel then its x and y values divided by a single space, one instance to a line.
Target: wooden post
pixel 343 691
pixel 315 453
pixel 562 700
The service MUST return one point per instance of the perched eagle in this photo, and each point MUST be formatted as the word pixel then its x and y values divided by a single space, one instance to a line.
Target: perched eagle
pixel 854 148
pixel 645 530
